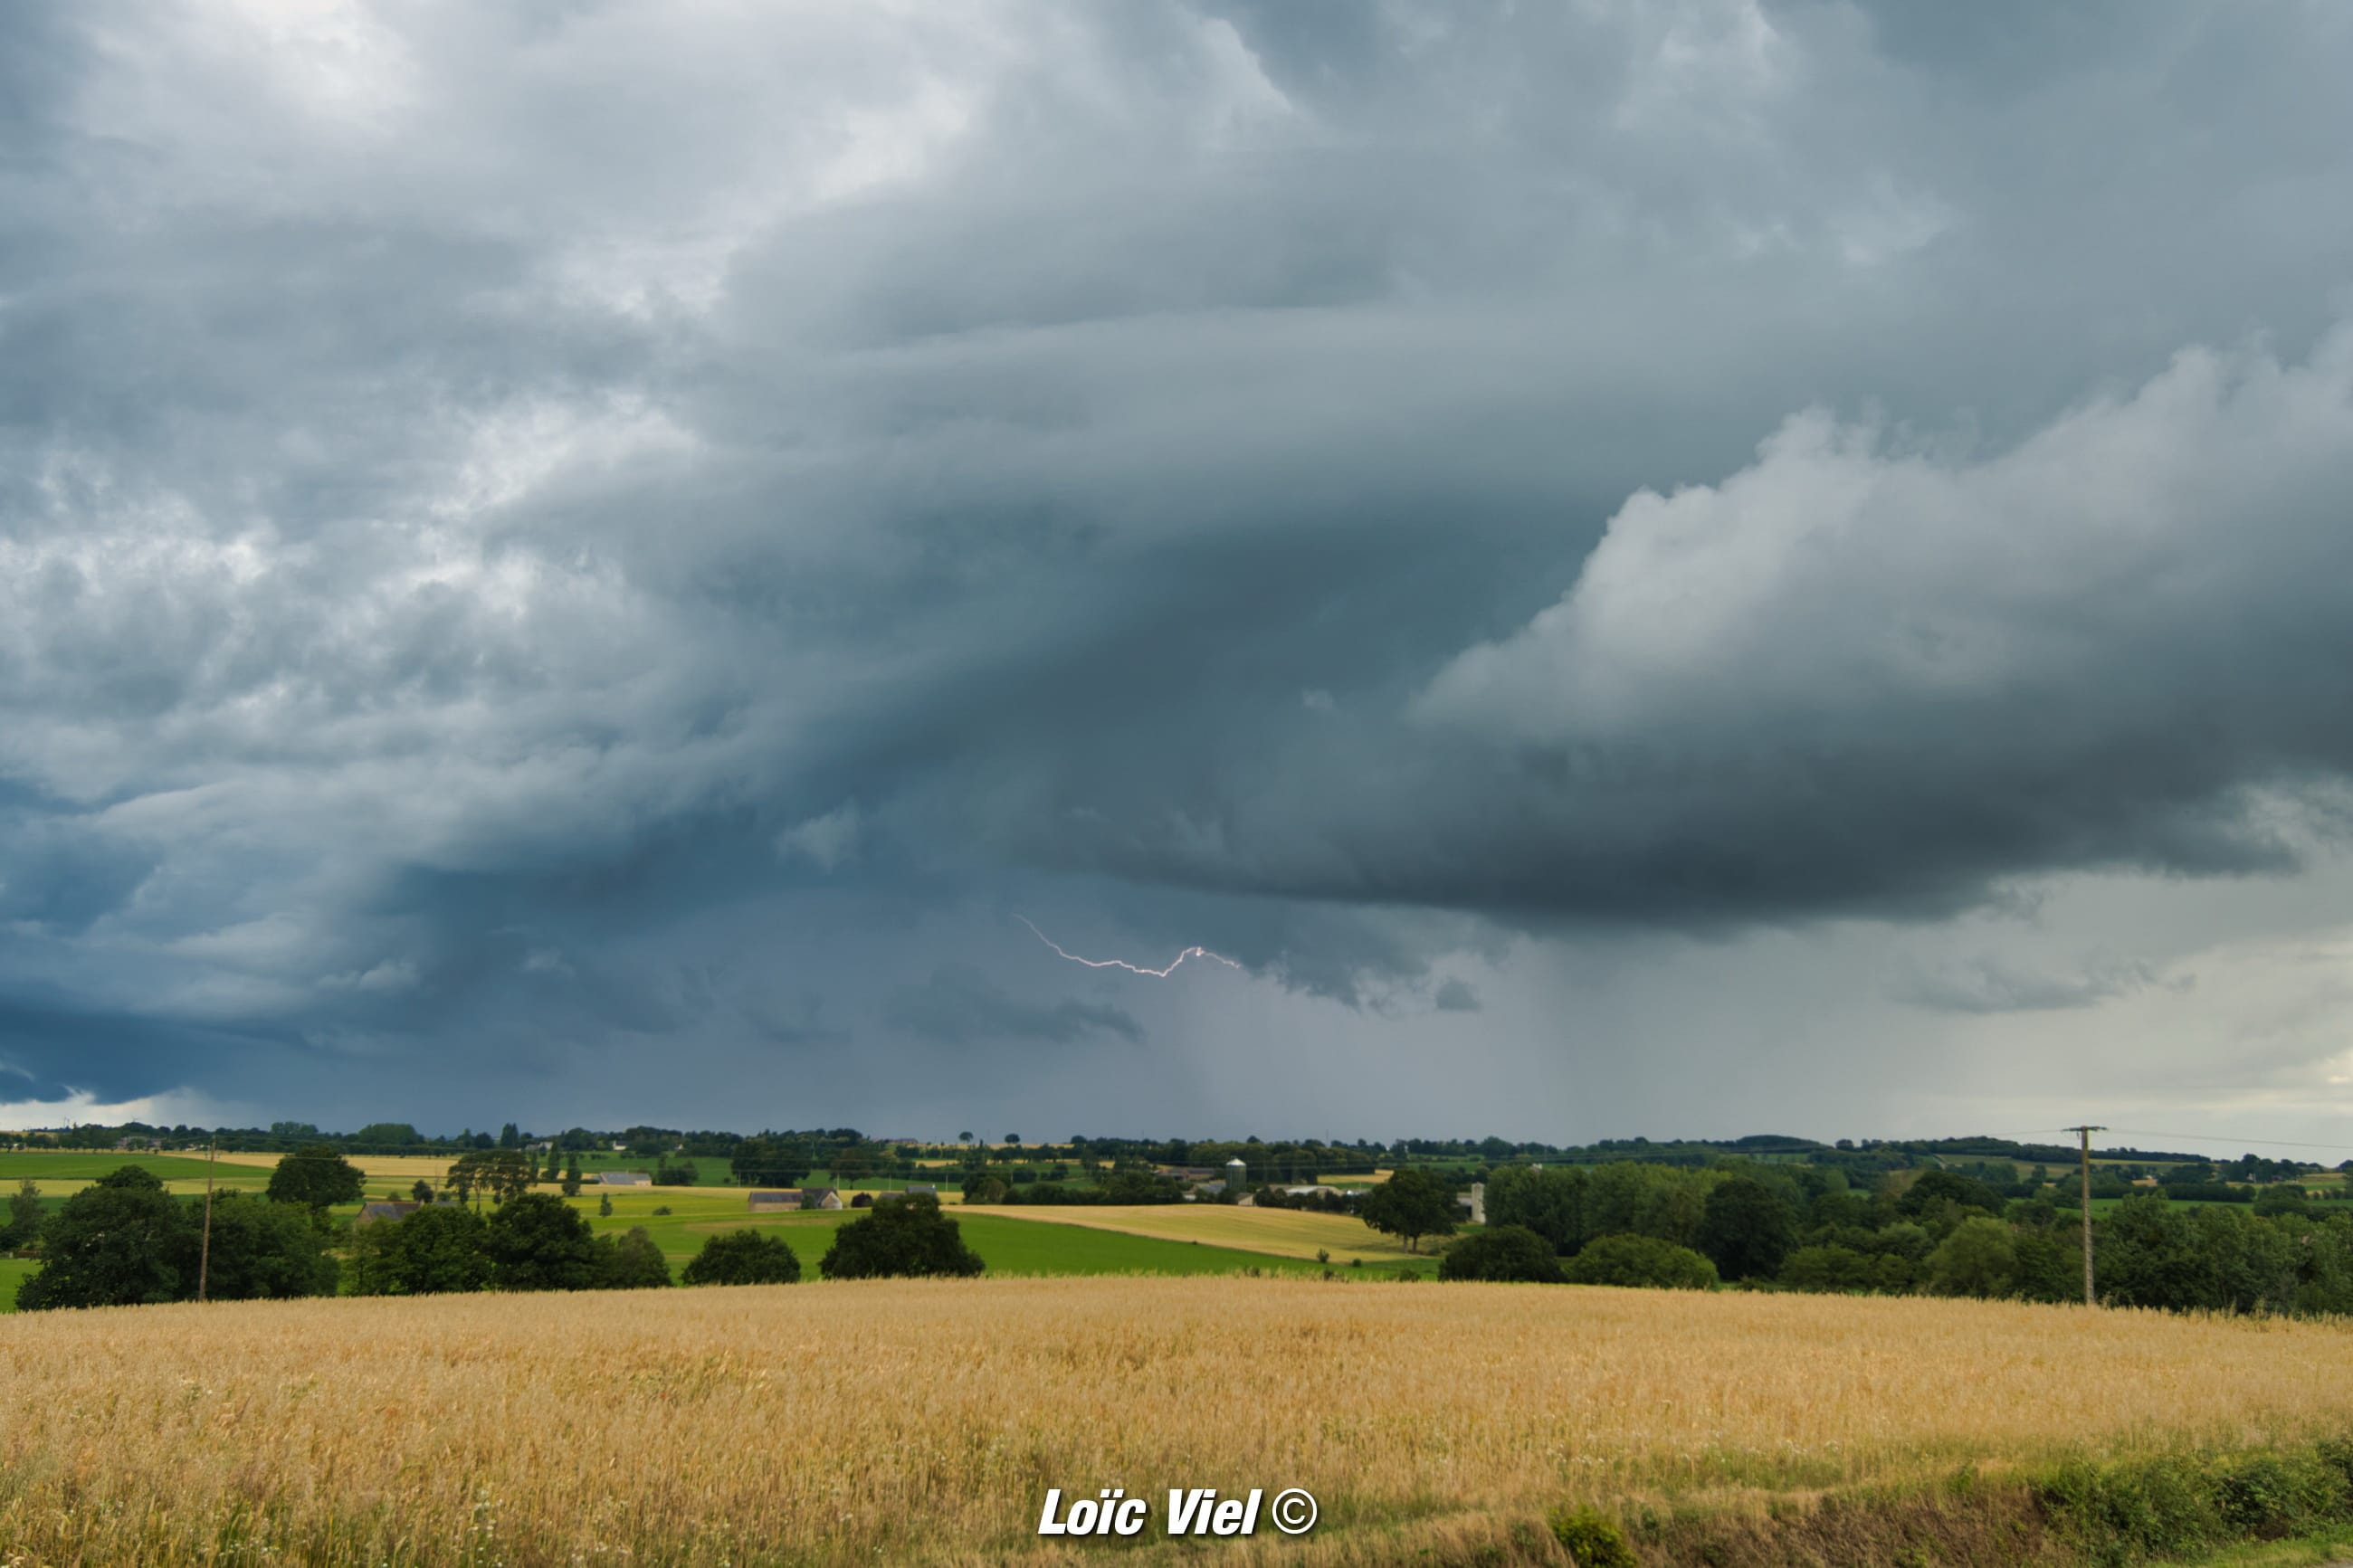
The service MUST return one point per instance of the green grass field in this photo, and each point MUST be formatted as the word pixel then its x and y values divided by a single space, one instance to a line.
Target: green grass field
pixel 64 1171
pixel 12 1272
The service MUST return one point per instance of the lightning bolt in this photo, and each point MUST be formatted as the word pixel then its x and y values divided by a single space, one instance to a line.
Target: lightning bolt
pixel 1123 963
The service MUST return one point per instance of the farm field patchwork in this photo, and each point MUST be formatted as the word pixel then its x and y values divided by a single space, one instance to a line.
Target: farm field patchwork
pixel 428 1431
pixel 1010 1242
pixel 65 1171
pixel 1010 1246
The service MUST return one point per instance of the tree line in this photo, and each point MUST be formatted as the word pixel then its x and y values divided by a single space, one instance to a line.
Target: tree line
pixel 125 1241
pixel 1942 1231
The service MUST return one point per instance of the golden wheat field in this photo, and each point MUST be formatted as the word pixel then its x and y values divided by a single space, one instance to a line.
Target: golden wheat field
pixel 920 1422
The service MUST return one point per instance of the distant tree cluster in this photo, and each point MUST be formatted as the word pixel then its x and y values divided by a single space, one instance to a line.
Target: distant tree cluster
pixel 1942 1231
pixel 531 1241
pixel 981 1185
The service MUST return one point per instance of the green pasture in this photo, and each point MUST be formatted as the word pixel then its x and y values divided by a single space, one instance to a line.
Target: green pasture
pixel 12 1273
pixel 75 1169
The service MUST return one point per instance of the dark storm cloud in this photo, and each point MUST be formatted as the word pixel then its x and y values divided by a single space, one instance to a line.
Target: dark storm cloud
pixel 565 527
pixel 958 1004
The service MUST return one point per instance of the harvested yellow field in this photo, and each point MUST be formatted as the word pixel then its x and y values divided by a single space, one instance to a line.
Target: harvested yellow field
pixel 921 1422
pixel 1287 1233
pixel 403 1168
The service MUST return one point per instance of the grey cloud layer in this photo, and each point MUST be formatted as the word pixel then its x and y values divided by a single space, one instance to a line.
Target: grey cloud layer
pixel 479 484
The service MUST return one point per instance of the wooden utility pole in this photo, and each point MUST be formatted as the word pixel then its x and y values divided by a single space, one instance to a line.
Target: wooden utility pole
pixel 2086 1132
pixel 205 1252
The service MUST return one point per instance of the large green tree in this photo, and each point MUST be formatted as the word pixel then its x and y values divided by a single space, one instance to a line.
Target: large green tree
pixel 1550 1203
pixel 1934 1187
pixel 263 1250
pixel 441 1248
pixel 24 1212
pixel 1414 1202
pixel 317 1176
pixel 539 1242
pixel 908 1237
pixel 1626 1198
pixel 1745 1229
pixel 123 1241
pixel 1979 1258
pixel 743 1258
pixel 500 1174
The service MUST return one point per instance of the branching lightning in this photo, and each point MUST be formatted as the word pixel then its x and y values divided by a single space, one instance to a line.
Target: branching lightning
pixel 1123 963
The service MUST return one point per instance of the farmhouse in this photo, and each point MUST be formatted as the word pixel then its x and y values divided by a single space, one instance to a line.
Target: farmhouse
pixel 370 1213
pixel 820 1199
pixel 771 1202
pixel 625 1178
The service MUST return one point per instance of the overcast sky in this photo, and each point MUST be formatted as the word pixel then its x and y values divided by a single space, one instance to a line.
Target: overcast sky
pixel 1679 568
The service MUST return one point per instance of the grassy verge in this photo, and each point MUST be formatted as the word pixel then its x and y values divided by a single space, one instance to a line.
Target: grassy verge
pixel 2329 1546
pixel 2275 1508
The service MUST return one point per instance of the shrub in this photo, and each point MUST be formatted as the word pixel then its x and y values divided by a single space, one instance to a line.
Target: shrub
pixel 630 1261
pixel 743 1258
pixel 1978 1259
pixel 539 1242
pixel 1639 1260
pixel 1593 1539
pixel 1508 1253
pixel 2269 1496
pixel 2126 1512
pixel 1829 1268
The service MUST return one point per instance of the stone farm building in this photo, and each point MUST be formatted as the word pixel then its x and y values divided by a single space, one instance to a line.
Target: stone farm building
pixel 625 1178
pixel 775 1200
